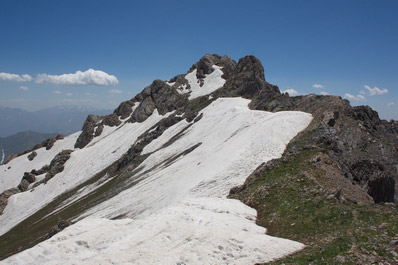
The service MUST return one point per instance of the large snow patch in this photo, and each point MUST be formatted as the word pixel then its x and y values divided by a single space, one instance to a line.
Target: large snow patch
pixel 178 212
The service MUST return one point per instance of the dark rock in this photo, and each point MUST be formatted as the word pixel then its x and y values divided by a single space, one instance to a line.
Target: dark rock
pixel 32 156
pixel 63 224
pixel 198 118
pixel 61 158
pixel 59 137
pixel 53 230
pixel 382 188
pixel 99 130
pixel 57 228
pixel 43 170
pixel 56 165
pixel 23 186
pixel 248 79
pixel 29 177
pixel 144 110
pixel 125 109
pixel 87 132
pixel 204 65
pixel 37 146
pixel 165 98
pixel 111 120
pixel 48 144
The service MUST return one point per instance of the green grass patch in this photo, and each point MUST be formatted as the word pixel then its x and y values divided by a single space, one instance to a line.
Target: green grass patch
pixel 291 204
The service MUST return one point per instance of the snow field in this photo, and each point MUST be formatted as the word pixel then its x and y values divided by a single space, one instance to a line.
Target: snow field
pixel 178 212
pixel 211 83
pixel 81 166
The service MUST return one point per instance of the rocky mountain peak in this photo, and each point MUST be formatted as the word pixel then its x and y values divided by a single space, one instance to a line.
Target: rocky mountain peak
pixel 205 65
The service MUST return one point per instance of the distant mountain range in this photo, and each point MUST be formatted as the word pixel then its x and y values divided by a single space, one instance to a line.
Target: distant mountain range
pixel 63 120
pixel 20 142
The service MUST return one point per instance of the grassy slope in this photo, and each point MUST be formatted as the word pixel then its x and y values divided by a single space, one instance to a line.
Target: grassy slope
pixel 292 204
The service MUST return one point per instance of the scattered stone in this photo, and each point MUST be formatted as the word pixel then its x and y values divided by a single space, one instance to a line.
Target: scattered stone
pixel 57 228
pixel 23 186
pixel 32 156
pixel 29 177
pixel 49 143
pixel 394 242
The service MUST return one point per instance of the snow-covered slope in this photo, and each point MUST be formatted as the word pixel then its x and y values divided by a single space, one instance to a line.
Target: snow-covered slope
pixel 210 84
pixel 175 208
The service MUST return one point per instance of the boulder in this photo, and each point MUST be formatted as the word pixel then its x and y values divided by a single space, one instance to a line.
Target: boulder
pixel 88 131
pixel 111 120
pixel 32 156
pixel 48 144
pixel 29 177
pixel 125 109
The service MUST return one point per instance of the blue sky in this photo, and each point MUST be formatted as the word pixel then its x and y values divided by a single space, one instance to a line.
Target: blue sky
pixel 334 47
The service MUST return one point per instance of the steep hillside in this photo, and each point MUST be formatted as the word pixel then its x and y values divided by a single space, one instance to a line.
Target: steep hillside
pixel 148 184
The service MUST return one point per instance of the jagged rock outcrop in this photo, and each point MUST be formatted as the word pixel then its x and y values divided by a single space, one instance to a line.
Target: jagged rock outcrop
pixel 159 95
pixel 248 81
pixel 57 164
pixel 125 109
pixel 204 66
pixel 88 131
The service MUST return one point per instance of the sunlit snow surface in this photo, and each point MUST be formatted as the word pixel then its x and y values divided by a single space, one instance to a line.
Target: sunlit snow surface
pixel 178 211
pixel 211 83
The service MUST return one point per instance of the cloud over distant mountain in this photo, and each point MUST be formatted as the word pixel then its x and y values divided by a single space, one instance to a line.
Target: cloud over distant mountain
pixel 89 77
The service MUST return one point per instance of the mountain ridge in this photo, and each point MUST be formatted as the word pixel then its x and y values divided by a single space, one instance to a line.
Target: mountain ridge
pixel 167 125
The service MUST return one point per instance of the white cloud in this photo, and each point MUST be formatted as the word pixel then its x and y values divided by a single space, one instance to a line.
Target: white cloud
pixel 354 98
pixel 291 92
pixel 24 88
pixel 69 94
pixel 323 93
pixel 15 77
pixel 317 86
pixel 373 91
pixel 391 104
pixel 115 91
pixel 89 77
pixel 57 92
